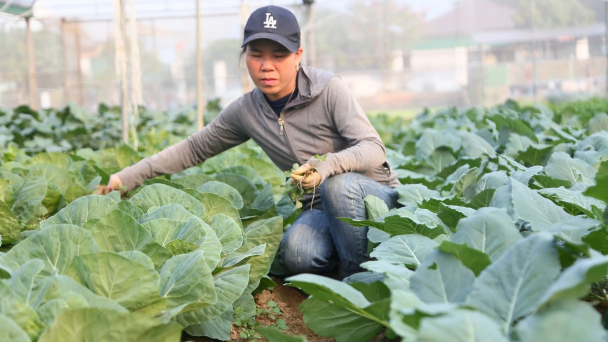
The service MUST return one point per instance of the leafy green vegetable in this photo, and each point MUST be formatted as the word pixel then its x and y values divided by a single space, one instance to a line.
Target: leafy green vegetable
pixel 502 230
pixel 88 324
pixel 566 320
pixel 513 285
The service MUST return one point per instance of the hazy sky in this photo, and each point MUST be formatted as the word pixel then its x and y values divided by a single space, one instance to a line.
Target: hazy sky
pixel 148 8
pixel 170 32
pixel 433 8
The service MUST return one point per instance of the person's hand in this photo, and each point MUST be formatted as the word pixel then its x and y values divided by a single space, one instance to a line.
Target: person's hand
pixel 114 184
pixel 306 177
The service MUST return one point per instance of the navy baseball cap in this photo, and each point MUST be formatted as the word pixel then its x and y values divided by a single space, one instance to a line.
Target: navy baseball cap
pixel 274 23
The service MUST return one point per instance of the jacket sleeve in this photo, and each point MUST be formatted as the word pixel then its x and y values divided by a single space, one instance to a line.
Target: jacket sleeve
pixel 366 151
pixel 224 132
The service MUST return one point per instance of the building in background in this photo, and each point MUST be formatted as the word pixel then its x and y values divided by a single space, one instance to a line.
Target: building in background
pixel 477 54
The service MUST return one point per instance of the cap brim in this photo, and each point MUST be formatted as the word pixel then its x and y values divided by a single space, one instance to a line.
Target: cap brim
pixel 291 46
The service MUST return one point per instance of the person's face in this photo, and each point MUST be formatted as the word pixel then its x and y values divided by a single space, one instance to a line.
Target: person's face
pixel 272 67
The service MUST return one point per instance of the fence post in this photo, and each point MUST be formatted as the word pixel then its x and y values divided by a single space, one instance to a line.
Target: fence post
pixel 534 63
pixel 136 85
pixel 121 65
pixel 81 95
pixel 64 63
pixel 243 16
pixel 31 58
pixel 310 33
pixel 606 41
pixel 200 101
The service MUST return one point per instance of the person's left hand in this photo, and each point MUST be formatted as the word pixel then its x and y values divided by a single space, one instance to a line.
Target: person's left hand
pixel 306 177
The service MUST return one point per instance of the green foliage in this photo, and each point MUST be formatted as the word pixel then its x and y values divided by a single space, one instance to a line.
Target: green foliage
pixel 74 127
pixel 164 252
pixel 553 13
pixel 584 110
pixel 250 327
pixel 344 30
pixel 276 335
pixel 502 230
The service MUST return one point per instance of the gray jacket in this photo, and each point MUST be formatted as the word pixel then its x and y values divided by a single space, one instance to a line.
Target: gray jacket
pixel 325 119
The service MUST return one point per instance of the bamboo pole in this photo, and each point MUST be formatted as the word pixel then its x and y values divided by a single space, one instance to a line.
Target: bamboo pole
pixel 31 58
pixel 606 38
pixel 310 35
pixel 134 62
pixel 64 62
pixel 200 101
pixel 81 94
pixel 121 65
pixel 304 30
pixel 534 74
pixel 157 79
pixel 244 15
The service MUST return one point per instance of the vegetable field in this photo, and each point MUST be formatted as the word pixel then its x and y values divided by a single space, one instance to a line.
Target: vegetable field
pixel 501 235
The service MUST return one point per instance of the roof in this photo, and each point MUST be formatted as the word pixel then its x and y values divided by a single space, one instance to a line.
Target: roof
pixel 444 43
pixel 472 16
pixel 525 35
pixel 17 7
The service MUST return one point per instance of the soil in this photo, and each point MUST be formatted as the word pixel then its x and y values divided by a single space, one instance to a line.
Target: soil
pixel 288 299
pixel 599 306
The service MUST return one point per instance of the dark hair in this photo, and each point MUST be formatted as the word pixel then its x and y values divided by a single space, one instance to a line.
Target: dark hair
pixel 244 50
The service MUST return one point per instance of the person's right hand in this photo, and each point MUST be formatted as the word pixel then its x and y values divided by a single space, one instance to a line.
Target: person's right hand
pixel 115 183
pixel 306 177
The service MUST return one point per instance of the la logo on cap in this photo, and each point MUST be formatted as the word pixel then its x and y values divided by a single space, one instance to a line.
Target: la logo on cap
pixel 270 21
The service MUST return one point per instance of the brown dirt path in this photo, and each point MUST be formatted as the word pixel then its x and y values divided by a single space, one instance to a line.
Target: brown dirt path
pixel 288 299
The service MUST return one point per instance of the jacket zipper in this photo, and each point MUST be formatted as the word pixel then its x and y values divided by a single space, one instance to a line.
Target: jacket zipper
pixel 280 120
pixel 281 123
pixel 282 128
pixel 283 132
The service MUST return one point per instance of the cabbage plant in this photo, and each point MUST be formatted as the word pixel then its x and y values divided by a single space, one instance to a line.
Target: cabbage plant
pixel 501 232
pixel 173 255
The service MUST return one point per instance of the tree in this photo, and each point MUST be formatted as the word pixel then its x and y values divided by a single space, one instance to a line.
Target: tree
pixel 598 7
pixel 552 13
pixel 364 36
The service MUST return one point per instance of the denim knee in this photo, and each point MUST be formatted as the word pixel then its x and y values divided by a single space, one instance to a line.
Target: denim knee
pixel 299 255
pixel 337 186
pixel 291 262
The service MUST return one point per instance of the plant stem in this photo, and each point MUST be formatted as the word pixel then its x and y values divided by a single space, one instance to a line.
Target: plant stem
pixel 594 296
pixel 314 189
pixel 603 292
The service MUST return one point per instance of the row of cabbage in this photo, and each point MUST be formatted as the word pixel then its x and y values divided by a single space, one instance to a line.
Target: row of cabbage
pixel 454 163
pixel 175 254
pixel 74 127
pixel 502 230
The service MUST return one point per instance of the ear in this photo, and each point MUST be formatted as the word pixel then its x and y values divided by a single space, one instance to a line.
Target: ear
pixel 299 55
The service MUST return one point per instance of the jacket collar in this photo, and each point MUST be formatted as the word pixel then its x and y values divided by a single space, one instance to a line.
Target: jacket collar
pixel 311 83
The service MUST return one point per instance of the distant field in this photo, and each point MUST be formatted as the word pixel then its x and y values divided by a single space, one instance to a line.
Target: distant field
pixel 405 113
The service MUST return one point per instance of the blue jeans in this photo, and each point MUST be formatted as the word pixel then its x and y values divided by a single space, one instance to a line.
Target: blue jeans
pixel 317 241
